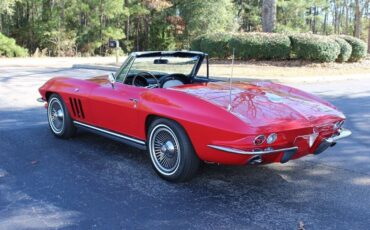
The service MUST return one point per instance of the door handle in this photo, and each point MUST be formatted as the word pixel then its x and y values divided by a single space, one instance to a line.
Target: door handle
pixel 134 100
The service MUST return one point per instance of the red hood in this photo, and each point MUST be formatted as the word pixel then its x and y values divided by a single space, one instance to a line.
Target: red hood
pixel 265 103
pixel 102 79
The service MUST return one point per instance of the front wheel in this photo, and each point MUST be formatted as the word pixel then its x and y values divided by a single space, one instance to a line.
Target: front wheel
pixel 60 122
pixel 171 152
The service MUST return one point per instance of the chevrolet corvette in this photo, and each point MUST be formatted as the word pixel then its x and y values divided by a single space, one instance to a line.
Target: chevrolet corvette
pixel 166 103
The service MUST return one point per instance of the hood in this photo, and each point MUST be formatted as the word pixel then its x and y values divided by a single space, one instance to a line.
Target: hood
pixel 265 103
pixel 102 79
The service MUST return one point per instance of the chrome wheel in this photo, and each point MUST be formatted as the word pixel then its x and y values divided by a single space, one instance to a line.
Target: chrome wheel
pixel 164 149
pixel 56 115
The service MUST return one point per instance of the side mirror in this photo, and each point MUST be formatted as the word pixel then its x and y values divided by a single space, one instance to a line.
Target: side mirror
pixel 112 79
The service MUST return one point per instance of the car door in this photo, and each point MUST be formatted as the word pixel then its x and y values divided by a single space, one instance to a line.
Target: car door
pixel 115 108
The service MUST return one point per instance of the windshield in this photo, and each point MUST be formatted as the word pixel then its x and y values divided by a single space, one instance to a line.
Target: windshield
pixel 164 65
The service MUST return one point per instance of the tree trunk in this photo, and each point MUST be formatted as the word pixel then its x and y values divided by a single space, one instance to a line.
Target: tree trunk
pixel 357 32
pixel 325 21
pixel 127 23
pixel 368 38
pixel 336 18
pixel 340 17
pixel 146 31
pixel 347 16
pixel 101 14
pixel 137 35
pixel 268 15
pixel 309 20
pixel 62 13
pixel 315 13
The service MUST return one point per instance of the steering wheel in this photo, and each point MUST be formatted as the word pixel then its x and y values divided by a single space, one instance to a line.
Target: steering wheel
pixel 180 79
pixel 144 75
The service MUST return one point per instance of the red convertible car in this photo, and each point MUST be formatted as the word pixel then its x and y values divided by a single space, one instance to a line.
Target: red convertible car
pixel 159 101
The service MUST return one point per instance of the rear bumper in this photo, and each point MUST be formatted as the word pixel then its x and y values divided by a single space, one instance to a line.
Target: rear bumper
pixel 331 141
pixel 287 153
pixel 262 152
pixel 343 133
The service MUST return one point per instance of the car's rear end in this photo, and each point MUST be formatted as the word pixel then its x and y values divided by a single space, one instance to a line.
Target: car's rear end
pixel 279 124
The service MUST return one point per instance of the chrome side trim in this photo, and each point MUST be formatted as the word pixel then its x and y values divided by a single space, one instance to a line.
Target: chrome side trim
pixel 239 151
pixel 342 134
pixel 110 133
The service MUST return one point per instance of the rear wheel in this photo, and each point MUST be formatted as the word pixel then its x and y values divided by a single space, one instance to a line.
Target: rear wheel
pixel 171 152
pixel 60 122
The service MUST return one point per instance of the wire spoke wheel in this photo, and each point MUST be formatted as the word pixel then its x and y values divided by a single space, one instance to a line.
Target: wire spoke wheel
pixel 164 149
pixel 56 115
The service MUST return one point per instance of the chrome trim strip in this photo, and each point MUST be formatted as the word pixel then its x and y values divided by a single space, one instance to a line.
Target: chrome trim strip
pixel 342 134
pixel 111 133
pixel 239 151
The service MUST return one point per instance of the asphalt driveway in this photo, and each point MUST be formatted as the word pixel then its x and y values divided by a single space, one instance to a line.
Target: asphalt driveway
pixel 91 182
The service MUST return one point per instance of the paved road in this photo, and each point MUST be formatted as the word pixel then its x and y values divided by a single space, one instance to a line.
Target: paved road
pixel 94 183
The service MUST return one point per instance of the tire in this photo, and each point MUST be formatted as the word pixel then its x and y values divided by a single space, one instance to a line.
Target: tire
pixel 171 152
pixel 60 122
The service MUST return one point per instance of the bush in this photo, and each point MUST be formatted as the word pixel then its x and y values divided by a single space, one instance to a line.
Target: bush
pixel 9 48
pixel 359 47
pixel 345 49
pixel 247 45
pixel 265 46
pixel 314 47
pixel 260 46
pixel 216 45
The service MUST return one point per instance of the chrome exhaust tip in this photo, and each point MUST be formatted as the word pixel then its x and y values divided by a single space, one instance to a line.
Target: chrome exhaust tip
pixel 255 160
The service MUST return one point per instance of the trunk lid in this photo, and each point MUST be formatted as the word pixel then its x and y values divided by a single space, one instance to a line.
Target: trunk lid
pixel 265 103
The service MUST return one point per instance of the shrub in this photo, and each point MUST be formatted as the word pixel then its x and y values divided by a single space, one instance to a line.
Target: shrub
pixel 260 46
pixel 359 47
pixel 216 45
pixel 247 45
pixel 9 48
pixel 265 46
pixel 314 47
pixel 345 49
pixel 195 43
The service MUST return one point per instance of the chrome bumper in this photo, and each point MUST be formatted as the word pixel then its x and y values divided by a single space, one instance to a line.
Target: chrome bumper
pixel 256 155
pixel 331 141
pixel 288 152
pixel 342 134
pixel 262 152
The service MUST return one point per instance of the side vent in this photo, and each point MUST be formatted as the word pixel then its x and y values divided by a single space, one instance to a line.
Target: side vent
pixel 77 108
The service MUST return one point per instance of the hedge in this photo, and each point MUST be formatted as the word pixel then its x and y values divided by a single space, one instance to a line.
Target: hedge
pixel 216 45
pixel 314 47
pixel 9 48
pixel 359 47
pixel 279 46
pixel 247 45
pixel 260 46
pixel 345 49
